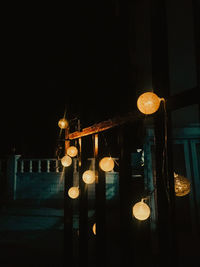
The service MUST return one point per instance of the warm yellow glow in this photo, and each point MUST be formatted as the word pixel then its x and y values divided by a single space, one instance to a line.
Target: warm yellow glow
pixel 89 177
pixel 73 192
pixel 72 151
pixel 148 103
pixel 63 123
pixel 94 228
pixel 66 161
pixel 181 185
pixel 141 210
pixel 107 164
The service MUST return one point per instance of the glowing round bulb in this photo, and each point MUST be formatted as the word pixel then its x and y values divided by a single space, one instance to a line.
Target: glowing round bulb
pixel 94 228
pixel 63 123
pixel 107 164
pixel 141 210
pixel 88 177
pixel 148 103
pixel 66 161
pixel 181 185
pixel 72 151
pixel 73 192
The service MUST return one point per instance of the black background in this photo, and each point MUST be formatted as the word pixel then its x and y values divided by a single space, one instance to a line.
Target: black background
pixel 73 58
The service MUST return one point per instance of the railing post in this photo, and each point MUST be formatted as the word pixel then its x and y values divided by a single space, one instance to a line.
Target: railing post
pixel 12 176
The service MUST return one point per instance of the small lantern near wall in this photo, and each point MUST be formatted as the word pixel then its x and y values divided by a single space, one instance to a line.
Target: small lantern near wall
pixel 148 103
pixel 141 210
pixel 89 177
pixel 66 161
pixel 63 123
pixel 107 164
pixel 72 151
pixel 181 185
pixel 73 192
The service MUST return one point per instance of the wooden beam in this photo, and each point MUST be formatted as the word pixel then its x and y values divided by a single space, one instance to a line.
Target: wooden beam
pixel 105 125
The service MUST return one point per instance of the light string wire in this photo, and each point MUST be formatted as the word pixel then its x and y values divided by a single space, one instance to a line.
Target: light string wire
pixel 165 163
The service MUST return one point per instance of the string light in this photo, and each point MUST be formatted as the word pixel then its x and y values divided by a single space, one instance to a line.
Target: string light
pixel 181 185
pixel 72 151
pixel 73 192
pixel 148 103
pixel 141 210
pixel 66 161
pixel 94 228
pixel 63 123
pixel 88 177
pixel 106 164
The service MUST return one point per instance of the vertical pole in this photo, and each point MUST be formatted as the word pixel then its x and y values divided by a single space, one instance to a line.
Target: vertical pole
pixel 100 209
pixel 164 169
pixel 12 176
pixel 83 210
pixel 68 211
pixel 126 234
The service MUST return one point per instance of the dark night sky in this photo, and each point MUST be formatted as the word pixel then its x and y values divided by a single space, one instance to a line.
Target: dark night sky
pixel 77 59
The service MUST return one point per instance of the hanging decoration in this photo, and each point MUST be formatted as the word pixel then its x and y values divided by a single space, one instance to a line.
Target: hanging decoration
pixel 72 151
pixel 141 210
pixel 181 185
pixel 148 103
pixel 88 177
pixel 63 123
pixel 106 164
pixel 73 192
pixel 66 161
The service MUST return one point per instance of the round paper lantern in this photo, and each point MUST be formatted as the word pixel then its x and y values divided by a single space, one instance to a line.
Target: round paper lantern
pixel 72 151
pixel 66 161
pixel 63 123
pixel 73 192
pixel 94 228
pixel 141 210
pixel 89 177
pixel 148 103
pixel 181 185
pixel 107 164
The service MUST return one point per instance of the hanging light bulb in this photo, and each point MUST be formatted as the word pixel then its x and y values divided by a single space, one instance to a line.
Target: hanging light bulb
pixel 106 164
pixel 73 192
pixel 141 210
pixel 181 185
pixel 66 161
pixel 72 151
pixel 94 228
pixel 63 123
pixel 89 177
pixel 148 103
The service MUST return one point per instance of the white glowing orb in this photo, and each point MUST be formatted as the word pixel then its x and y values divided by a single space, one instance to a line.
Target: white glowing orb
pixel 148 103
pixel 89 177
pixel 73 192
pixel 141 210
pixel 66 161
pixel 72 151
pixel 106 164
pixel 63 123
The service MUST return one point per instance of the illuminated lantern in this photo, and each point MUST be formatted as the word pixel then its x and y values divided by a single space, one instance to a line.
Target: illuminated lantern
pixel 148 103
pixel 89 177
pixel 72 151
pixel 181 185
pixel 106 164
pixel 66 161
pixel 94 228
pixel 73 192
pixel 141 210
pixel 63 123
